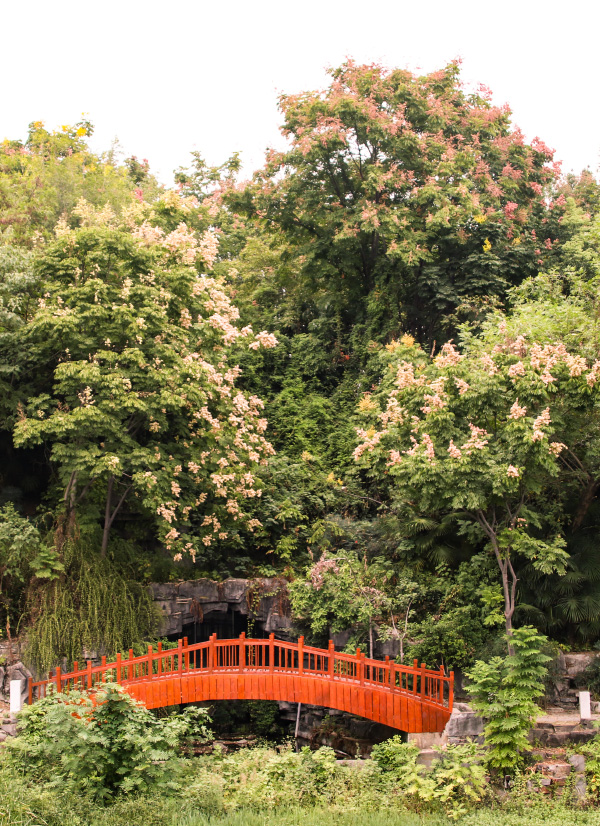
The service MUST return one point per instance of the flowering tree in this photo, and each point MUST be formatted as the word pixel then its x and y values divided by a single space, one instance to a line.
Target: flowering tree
pixel 485 436
pixel 138 402
pixel 404 196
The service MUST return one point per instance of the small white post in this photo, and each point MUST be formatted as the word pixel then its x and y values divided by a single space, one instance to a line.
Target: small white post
pixel 585 708
pixel 15 696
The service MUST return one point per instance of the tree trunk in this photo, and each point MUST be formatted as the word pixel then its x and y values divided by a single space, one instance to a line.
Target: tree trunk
pixel 586 500
pixel 107 516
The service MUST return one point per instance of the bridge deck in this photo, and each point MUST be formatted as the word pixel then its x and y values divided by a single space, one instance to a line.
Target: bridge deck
pixel 409 698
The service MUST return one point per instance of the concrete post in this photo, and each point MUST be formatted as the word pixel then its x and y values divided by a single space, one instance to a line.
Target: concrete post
pixel 15 696
pixel 585 708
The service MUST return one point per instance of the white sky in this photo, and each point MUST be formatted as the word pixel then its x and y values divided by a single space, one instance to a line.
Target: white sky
pixel 168 77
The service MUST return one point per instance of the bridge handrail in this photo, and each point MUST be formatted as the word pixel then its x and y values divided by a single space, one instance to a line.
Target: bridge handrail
pixel 243 655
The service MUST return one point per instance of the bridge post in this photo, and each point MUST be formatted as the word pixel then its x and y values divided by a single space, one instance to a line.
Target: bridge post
pixel 119 668
pixel 271 652
pixel 242 657
pixel 416 668
pixel 130 664
pixel 451 692
pixel 186 654
pixel 89 673
pixel 331 658
pixel 300 655
pixel 211 653
pixel 58 679
pixel 360 668
pixel 422 692
pixel 159 646
pixel 180 655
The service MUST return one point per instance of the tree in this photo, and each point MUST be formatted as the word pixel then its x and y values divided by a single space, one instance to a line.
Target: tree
pixel 482 437
pixel 43 178
pixel 404 197
pixel 136 400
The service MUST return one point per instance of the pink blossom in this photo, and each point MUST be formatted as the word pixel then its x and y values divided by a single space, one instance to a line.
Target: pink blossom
pixel 513 471
pixel 556 448
pixel 515 370
pixel 475 441
pixel 516 411
pixel 488 364
pixel 454 451
pixel 448 356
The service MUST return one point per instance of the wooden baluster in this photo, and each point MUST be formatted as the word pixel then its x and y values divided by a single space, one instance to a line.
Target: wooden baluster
pixel 300 655
pixel 75 670
pixel 130 670
pixel 360 667
pixel 58 679
pixel 89 673
pixel 416 668
pixel 186 654
pixel 119 667
pixel 440 687
pixel 242 652
pixel 271 653
pixel 331 658
pixel 159 659
pixel 150 652
pixel 180 655
pixel 386 679
pixel 103 672
pixel 422 691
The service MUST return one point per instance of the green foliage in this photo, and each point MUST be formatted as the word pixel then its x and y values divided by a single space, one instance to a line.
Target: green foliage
pixel 342 591
pixel 92 607
pixel 503 691
pixel 23 555
pixel 456 779
pixel 259 717
pixel 102 743
pixel 43 178
pixel 591 752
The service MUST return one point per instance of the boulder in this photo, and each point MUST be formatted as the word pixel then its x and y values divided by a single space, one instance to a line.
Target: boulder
pixel 463 724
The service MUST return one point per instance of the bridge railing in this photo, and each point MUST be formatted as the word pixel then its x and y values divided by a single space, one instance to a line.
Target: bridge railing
pixel 244 655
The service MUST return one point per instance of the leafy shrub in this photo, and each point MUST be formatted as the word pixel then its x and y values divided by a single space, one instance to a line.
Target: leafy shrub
pixel 504 690
pixel 103 743
pixel 456 779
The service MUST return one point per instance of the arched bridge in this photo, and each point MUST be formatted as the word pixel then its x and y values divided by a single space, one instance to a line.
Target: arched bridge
pixel 410 698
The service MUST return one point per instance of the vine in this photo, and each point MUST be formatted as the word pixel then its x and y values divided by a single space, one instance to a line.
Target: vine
pixel 91 607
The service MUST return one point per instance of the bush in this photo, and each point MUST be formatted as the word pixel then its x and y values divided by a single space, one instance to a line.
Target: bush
pixel 103 743
pixel 504 691
pixel 456 779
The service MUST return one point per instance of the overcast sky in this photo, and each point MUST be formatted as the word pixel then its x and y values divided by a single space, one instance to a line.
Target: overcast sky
pixel 171 76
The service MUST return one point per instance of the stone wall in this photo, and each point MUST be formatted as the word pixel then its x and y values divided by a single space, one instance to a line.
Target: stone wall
pixel 261 602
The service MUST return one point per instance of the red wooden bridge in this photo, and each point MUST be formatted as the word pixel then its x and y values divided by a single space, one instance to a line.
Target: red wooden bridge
pixel 410 698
